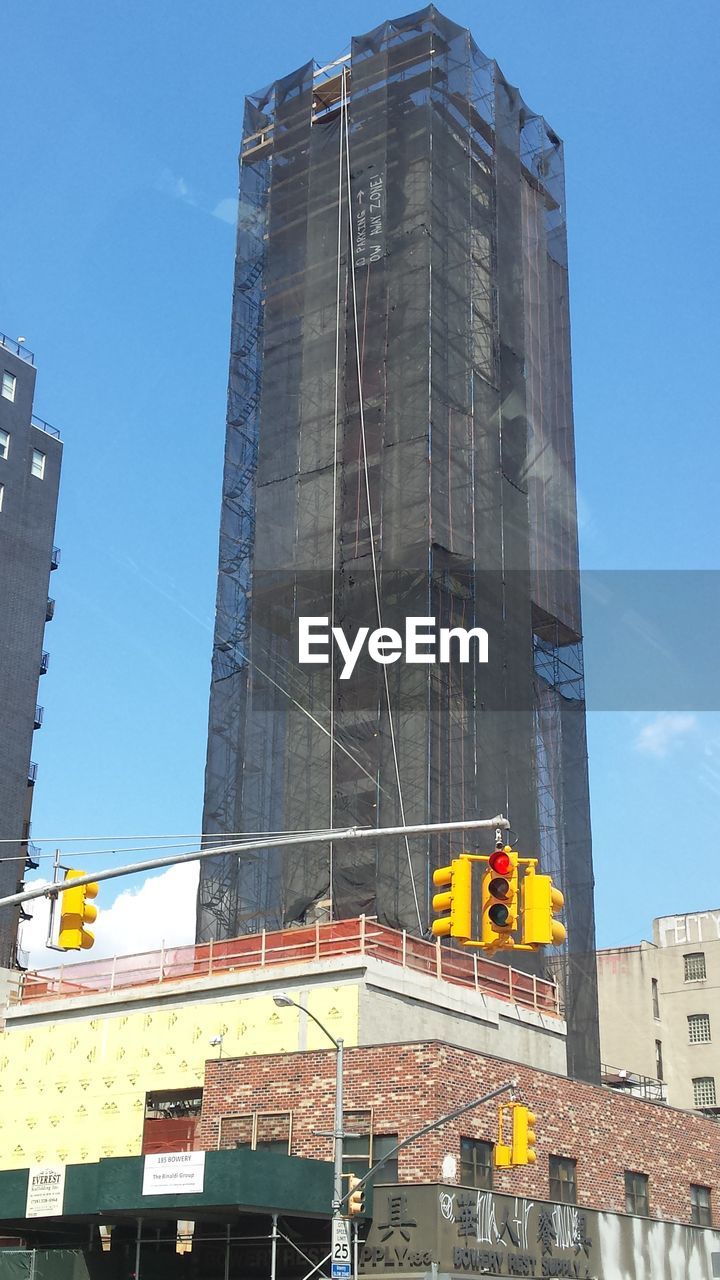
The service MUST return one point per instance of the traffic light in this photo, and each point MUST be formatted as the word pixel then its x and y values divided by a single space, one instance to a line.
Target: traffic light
pixel 456 901
pixel 356 1197
pixel 523 1135
pixel 500 899
pixel 75 913
pixel 540 903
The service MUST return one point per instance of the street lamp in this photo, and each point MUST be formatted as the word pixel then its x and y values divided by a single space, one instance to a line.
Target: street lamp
pixel 284 1001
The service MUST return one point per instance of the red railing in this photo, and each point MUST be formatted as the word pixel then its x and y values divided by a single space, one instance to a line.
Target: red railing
pixel 296 947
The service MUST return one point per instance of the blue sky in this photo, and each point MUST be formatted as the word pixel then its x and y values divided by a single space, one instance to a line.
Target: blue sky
pixel 122 126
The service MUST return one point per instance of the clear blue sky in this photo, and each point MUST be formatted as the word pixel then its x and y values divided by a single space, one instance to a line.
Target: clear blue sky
pixel 121 130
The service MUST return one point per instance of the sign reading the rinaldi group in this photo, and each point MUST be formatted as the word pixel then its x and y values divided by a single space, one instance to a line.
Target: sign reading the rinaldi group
pixel 174 1173
pixel 46 1188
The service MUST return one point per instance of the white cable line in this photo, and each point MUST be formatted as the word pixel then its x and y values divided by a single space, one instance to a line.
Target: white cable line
pixel 370 519
pixel 319 837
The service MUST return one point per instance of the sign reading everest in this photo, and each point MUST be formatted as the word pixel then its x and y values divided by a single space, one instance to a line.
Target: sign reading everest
pixel 46 1188
pixel 174 1173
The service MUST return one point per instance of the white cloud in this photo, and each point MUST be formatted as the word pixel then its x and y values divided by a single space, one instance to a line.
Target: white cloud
pixel 171 184
pixel 160 911
pixel 665 731
pixel 227 210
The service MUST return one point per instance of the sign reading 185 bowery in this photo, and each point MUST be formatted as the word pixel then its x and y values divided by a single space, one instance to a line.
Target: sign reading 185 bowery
pixel 423 642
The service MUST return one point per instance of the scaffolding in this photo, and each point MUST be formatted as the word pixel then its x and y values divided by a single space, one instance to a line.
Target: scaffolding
pixel 399 443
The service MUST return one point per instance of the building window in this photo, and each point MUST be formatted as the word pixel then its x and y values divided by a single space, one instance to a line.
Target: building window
pixel 704 1091
pixel 563 1187
pixel 695 966
pixel 476 1163
pixel 636 1194
pixel 365 1147
pixel 258 1130
pixel 2 495
pixel 658 1060
pixel 699 1028
pixel 38 464
pixel 9 382
pixel 700 1210
pixel 655 999
pixel 4 443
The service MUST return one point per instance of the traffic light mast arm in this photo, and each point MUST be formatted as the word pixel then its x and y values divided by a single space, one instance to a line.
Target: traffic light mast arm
pixel 245 846
pixel 509 1085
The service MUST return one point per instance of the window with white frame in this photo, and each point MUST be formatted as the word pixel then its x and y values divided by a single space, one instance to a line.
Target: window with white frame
pixel 4 443
pixel 9 383
pixel 704 1091
pixel 695 966
pixel 38 464
pixel 699 1028
pixel 2 495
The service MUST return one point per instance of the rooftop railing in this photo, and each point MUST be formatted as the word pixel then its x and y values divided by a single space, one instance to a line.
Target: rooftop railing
pixel 44 426
pixel 300 947
pixel 17 348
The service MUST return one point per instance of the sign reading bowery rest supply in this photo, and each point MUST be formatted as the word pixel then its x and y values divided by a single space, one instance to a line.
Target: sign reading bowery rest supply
pixel 460 1232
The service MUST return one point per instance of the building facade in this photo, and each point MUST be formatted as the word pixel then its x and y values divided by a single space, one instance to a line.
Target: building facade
pixel 168 1100
pixel 399 445
pixel 660 1011
pixel 30 458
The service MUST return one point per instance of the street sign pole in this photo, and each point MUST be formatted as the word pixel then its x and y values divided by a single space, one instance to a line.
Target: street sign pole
pixel 341 1256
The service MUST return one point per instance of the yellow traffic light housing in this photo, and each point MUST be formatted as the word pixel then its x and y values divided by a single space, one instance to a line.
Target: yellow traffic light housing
pixel 521 1148
pixel 541 902
pixel 523 1135
pixel 76 911
pixel 500 899
pixel 356 1197
pixel 454 905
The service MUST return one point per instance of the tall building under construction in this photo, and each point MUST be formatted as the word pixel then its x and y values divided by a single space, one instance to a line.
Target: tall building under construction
pixel 399 444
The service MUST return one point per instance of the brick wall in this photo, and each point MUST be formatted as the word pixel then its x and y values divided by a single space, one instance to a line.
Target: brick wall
pixel 409 1085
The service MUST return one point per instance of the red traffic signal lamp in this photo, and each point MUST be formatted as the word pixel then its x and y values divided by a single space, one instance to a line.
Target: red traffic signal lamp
pixel 500 899
pixel 454 905
pixel 541 902
pixel 76 911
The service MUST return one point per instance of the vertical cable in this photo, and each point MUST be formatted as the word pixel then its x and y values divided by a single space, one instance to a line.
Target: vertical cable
pixel 370 519
pixel 336 418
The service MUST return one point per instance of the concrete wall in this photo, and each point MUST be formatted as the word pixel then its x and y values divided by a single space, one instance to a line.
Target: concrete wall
pixel 628 1027
pixel 399 1006
pixel 27 524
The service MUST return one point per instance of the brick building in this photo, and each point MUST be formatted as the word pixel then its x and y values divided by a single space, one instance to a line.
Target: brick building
pixel 592 1137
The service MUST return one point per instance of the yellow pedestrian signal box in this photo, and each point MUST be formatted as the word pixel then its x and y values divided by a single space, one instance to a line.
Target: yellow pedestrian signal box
pixel 499 917
pixel 541 902
pixel 523 1135
pixel 521 1147
pixel 356 1198
pixel 454 905
pixel 76 911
